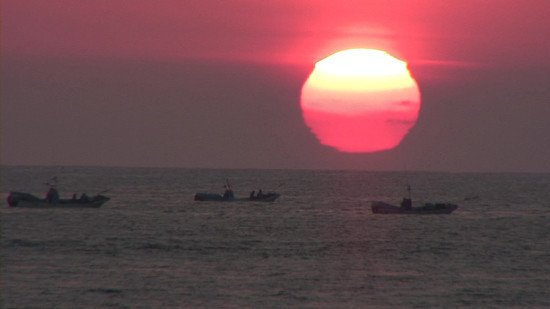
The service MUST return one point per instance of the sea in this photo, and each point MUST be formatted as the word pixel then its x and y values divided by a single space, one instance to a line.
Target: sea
pixel 318 246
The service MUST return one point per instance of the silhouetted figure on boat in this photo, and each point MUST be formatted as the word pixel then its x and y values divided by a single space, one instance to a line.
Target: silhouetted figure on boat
pixel 228 194
pixel 406 204
pixel 84 198
pixel 52 196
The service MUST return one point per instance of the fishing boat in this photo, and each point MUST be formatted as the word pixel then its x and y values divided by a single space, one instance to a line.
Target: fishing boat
pixel 406 207
pixel 27 200
pixel 265 197
pixel 52 199
pixel 428 208
pixel 229 196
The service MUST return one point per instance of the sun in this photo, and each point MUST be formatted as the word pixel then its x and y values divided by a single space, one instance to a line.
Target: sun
pixel 360 100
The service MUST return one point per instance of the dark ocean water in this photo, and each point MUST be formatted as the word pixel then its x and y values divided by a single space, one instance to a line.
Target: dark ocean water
pixel 319 245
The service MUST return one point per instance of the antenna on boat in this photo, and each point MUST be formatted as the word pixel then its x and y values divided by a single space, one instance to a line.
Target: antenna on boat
pixel 409 190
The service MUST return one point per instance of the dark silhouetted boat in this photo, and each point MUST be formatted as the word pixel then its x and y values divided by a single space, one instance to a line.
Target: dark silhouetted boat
pixel 27 200
pixel 406 207
pixel 229 196
pixel 52 199
pixel 266 197
pixel 428 208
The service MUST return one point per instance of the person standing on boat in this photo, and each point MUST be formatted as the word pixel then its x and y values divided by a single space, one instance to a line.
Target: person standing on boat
pixel 84 198
pixel 52 196
pixel 407 202
pixel 228 194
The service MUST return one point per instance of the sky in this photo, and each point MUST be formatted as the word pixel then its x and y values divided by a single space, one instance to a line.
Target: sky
pixel 216 84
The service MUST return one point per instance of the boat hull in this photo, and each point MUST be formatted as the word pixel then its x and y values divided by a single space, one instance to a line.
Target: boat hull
pixel 428 209
pixel 213 197
pixel 44 204
pixel 26 200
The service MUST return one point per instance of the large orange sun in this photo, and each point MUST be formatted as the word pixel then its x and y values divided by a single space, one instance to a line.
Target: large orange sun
pixel 360 100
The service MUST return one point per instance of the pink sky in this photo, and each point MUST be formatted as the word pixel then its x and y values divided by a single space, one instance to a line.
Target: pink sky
pixel 488 31
pixel 217 83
